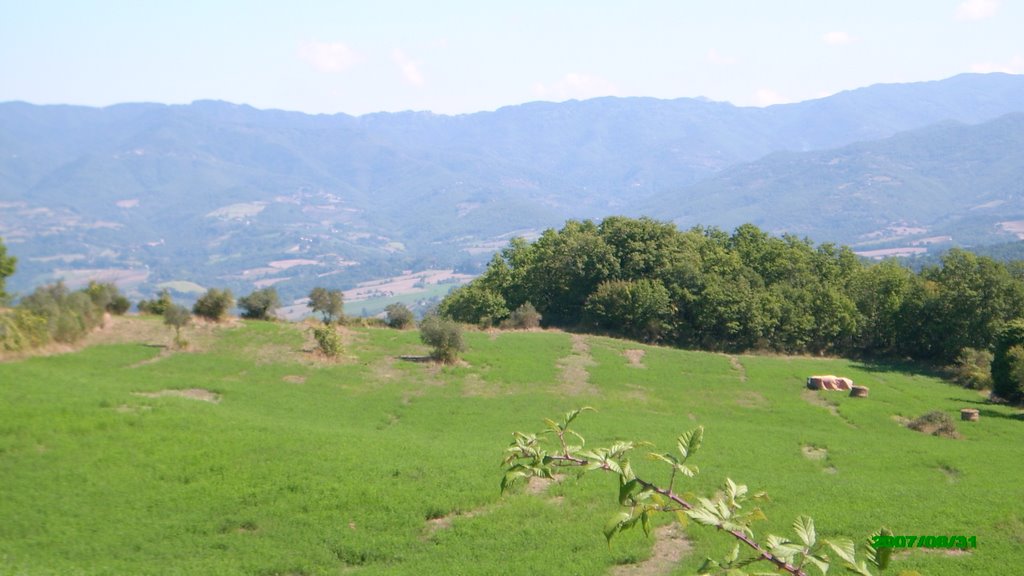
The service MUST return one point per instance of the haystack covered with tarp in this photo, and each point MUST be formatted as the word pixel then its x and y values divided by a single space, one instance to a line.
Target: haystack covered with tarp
pixel 829 382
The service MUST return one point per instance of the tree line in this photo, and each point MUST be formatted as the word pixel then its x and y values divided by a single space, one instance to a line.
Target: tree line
pixel 743 291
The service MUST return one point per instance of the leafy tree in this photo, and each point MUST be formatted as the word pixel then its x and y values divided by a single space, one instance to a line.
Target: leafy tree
pixel 69 315
pixel 398 316
pixel 177 317
pixel 260 304
pixel 158 305
pixel 1008 362
pixel 214 304
pixel 636 308
pixel 732 511
pixel 7 264
pixel 21 329
pixel 329 303
pixel 474 304
pixel 444 335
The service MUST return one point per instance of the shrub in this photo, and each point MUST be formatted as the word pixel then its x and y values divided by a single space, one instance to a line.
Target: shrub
pixel 21 330
pixel 523 318
pixel 474 304
pixel 214 305
pixel 635 308
pixel 398 316
pixel 158 305
pixel 69 315
pixel 1008 363
pixel 327 341
pixel 107 297
pixel 260 305
pixel 973 369
pixel 444 335
pixel 935 423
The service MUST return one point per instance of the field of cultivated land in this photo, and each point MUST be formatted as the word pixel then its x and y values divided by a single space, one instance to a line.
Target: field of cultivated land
pixel 252 456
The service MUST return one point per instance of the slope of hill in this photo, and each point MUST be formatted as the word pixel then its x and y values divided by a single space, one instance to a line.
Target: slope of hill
pixel 927 186
pixel 249 455
pixel 212 192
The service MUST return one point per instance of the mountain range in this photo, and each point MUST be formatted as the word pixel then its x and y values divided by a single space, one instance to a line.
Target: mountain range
pixel 220 194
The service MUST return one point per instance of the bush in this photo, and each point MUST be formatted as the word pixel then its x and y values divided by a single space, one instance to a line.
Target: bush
pixel 523 318
pixel 635 308
pixel 327 341
pixel 260 305
pixel 22 330
pixel 444 335
pixel 935 423
pixel 973 369
pixel 214 305
pixel 158 305
pixel 107 297
pixel 69 316
pixel 398 316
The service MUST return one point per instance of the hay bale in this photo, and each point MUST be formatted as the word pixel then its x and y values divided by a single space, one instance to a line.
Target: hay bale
pixel 969 414
pixel 858 392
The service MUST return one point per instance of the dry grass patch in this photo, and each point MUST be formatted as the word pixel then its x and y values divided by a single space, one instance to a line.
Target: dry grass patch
pixel 575 380
pixel 752 399
pixel 670 546
pixel 294 379
pixel 190 393
pixel 814 452
pixel 635 357
pixel 736 365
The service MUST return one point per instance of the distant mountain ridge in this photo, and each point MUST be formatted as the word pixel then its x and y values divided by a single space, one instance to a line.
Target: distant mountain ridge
pixel 214 192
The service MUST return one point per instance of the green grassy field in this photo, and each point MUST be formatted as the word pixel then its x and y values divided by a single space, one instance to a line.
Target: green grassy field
pixel 377 465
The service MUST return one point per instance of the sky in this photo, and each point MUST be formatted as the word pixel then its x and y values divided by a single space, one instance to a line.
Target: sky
pixel 456 57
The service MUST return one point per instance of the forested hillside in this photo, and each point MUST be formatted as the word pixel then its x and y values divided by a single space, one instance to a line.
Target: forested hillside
pixel 746 290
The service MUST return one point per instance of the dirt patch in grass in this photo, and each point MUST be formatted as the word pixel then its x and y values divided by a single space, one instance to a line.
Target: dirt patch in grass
pixel 190 393
pixel 952 474
pixel 813 398
pixel 575 380
pixel 635 357
pixel 435 525
pixel 736 365
pixel 294 379
pixel 670 546
pixel 536 485
pixel 751 399
pixel 814 452
pixel 474 387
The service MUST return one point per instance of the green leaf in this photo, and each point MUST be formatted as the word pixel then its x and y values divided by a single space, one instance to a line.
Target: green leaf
pixel 645 522
pixel 687 470
pixel 626 490
pixel 612 527
pixel 819 562
pixel 734 554
pixel 667 458
pixel 689 442
pixel 843 547
pixel 804 528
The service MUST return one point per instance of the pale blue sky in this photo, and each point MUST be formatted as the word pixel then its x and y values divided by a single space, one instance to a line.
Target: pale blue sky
pixel 464 56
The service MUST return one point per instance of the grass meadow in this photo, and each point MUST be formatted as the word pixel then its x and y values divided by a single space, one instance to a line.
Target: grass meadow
pixel 277 462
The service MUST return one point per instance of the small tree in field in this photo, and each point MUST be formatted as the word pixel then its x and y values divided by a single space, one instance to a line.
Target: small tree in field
pixel 214 305
pixel 398 316
pixel 329 303
pixel 444 335
pixel 260 305
pixel 157 305
pixel 732 511
pixel 178 317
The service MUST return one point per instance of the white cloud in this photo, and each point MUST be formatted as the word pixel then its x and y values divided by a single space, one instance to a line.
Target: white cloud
pixel 767 97
pixel 576 85
pixel 976 9
pixel 837 38
pixel 409 67
pixel 715 57
pixel 1014 65
pixel 329 56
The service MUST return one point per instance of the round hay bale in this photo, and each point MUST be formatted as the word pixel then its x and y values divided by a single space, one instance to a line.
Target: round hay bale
pixel 859 392
pixel 969 414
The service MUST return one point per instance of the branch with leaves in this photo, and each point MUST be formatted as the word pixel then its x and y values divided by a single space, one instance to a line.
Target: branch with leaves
pixel 730 511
